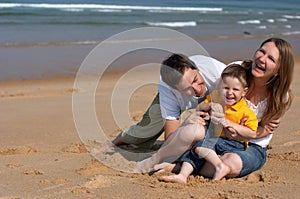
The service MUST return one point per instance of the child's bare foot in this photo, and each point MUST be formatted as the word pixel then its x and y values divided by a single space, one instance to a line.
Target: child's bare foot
pixel 174 178
pixel 221 171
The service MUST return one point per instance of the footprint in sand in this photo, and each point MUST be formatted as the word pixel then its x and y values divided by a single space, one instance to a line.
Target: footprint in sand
pixel 255 177
pixel 33 172
pixel 75 148
pixel 293 156
pixel 14 165
pixel 80 190
pixel 92 168
pixel 54 182
pixel 98 181
pixel 60 181
pixel 291 143
pixel 18 150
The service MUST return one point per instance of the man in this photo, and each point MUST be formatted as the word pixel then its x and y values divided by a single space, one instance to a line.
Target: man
pixel 185 82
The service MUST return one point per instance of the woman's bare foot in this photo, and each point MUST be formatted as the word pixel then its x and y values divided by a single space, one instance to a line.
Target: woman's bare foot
pixel 174 178
pixel 221 171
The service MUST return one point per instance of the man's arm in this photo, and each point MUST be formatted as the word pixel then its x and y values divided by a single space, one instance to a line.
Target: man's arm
pixel 197 117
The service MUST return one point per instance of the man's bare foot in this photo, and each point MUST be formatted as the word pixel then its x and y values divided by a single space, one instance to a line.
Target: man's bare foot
pixel 221 171
pixel 167 167
pixel 164 167
pixel 174 178
pixel 145 166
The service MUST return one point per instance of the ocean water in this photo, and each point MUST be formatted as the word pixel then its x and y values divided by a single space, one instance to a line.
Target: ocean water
pixel 38 21
pixel 28 23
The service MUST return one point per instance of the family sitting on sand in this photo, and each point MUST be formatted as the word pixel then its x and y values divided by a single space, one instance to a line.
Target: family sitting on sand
pixel 256 95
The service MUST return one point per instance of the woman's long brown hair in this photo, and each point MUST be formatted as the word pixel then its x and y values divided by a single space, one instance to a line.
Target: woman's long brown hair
pixel 279 92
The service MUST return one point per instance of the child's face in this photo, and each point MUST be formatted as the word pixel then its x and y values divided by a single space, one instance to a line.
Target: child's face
pixel 232 90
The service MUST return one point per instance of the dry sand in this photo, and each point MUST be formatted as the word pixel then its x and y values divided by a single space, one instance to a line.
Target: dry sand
pixel 42 156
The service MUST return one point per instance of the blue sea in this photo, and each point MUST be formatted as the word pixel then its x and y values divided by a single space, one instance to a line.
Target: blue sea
pixel 53 24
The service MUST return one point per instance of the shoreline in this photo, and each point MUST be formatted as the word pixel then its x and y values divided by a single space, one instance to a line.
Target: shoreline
pixel 96 42
pixel 50 61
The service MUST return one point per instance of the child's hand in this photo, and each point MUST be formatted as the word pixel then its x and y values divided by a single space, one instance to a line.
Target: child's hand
pixel 231 133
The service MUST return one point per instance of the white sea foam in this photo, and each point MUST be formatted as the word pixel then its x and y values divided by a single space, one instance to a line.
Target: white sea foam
pixel 270 20
pixel 291 33
pixel 262 27
pixel 102 6
pixel 111 10
pixel 255 21
pixel 73 9
pixel 173 24
pixel 282 20
pixel 291 16
pixel 288 26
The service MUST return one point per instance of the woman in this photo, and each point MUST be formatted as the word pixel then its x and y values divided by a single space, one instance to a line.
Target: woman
pixel 269 97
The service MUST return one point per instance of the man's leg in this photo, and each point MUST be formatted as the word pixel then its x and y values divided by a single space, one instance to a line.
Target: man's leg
pixel 176 144
pixel 146 132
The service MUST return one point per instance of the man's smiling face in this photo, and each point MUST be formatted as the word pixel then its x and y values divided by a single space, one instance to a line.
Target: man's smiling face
pixel 192 83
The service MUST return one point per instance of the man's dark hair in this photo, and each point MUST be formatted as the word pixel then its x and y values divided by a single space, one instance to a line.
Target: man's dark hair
pixel 173 68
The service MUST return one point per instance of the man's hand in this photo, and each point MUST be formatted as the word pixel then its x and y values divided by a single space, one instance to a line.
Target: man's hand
pixel 216 107
pixel 217 115
pixel 197 117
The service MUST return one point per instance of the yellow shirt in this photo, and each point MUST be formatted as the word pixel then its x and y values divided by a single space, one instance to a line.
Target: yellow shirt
pixel 237 112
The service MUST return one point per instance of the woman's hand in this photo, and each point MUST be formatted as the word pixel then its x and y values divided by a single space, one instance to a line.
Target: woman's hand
pixel 272 126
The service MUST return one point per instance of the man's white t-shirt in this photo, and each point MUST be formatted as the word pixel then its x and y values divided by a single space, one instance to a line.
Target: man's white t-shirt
pixel 173 103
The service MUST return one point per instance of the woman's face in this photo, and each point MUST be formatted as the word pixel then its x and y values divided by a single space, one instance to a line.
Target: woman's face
pixel 266 60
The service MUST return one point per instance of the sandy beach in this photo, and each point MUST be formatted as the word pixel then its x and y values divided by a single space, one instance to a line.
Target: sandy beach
pixel 42 155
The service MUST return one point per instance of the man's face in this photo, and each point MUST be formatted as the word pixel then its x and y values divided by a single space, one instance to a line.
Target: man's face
pixel 192 83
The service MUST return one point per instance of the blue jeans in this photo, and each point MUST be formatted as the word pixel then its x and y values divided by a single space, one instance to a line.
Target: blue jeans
pixel 253 157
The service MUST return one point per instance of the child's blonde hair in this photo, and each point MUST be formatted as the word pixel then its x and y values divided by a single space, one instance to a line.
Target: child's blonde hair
pixel 236 71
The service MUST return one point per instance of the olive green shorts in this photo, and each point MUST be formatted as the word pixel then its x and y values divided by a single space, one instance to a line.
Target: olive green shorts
pixel 147 131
